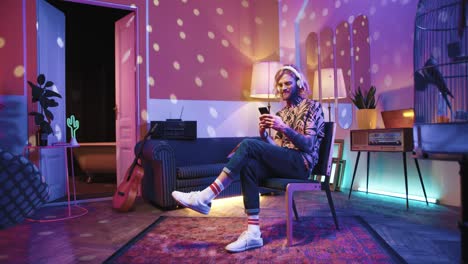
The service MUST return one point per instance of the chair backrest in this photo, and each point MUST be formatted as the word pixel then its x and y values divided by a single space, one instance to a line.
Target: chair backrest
pixel 324 164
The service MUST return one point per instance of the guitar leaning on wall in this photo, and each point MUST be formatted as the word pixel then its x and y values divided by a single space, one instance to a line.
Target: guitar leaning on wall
pixel 126 193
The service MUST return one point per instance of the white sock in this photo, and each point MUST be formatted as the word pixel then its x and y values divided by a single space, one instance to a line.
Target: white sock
pixel 210 192
pixel 253 224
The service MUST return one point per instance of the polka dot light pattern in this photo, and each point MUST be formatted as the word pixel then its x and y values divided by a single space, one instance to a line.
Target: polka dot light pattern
pixel 220 36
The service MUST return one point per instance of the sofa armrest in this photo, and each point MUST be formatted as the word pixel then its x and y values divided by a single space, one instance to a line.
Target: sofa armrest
pixel 158 160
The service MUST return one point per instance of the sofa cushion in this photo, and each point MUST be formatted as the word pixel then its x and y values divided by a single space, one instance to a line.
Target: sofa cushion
pixel 199 171
pixel 197 183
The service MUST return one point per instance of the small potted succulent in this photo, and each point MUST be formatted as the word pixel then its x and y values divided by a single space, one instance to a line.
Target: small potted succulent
pixel 366 103
pixel 42 93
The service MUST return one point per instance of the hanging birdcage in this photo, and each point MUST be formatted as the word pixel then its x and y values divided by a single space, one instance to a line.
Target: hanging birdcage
pixel 441 62
pixel 441 76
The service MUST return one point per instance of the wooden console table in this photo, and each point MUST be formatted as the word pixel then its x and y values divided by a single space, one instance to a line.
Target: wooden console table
pixel 384 140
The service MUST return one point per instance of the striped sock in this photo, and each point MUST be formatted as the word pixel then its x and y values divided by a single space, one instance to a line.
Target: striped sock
pixel 253 223
pixel 210 192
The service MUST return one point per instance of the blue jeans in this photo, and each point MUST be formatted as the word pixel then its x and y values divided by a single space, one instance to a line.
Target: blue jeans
pixel 256 160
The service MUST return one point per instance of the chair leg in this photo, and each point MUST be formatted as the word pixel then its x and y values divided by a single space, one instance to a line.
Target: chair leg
pixel 332 207
pixel 296 215
pixel 289 220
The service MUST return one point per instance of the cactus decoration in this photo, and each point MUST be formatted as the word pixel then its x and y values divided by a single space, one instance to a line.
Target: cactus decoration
pixel 73 124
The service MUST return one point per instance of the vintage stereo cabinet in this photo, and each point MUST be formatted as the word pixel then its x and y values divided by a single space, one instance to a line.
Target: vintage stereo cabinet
pixel 390 139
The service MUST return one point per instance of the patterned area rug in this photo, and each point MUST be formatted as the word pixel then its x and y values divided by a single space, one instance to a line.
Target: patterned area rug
pixel 202 240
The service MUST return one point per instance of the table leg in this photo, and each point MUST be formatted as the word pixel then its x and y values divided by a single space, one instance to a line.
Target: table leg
pixel 69 214
pixel 367 181
pixel 67 180
pixel 354 174
pixel 73 174
pixel 421 180
pixel 406 179
pixel 463 224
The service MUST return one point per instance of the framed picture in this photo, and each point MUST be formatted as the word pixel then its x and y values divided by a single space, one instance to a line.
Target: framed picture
pixel 338 165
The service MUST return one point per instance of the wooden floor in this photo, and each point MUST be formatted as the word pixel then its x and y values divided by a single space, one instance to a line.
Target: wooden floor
pixel 422 234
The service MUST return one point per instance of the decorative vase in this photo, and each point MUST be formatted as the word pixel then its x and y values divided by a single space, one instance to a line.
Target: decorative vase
pixel 366 118
pixel 74 142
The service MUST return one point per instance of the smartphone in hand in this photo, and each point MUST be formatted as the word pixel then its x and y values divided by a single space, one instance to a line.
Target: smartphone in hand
pixel 263 110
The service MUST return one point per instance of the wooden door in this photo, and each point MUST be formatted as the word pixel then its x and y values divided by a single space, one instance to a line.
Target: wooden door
pixel 126 93
pixel 51 62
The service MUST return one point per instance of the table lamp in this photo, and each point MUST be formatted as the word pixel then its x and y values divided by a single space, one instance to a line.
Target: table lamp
pixel 326 84
pixel 263 83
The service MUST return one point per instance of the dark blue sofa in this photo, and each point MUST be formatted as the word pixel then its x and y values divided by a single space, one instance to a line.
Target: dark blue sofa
pixel 184 165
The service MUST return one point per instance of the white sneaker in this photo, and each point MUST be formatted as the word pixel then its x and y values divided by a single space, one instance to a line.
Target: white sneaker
pixel 192 200
pixel 246 240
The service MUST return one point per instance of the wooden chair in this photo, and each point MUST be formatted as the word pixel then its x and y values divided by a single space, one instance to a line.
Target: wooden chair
pixel 322 168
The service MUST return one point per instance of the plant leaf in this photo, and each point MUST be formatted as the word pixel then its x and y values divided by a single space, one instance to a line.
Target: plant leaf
pixel 52 103
pixel 50 93
pixel 48 114
pixel 41 79
pixel 48 84
pixel 363 99
pixel 46 127
pixel 36 91
pixel 38 118
pixel 43 102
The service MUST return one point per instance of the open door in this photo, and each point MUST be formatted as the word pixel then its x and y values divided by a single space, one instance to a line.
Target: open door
pixel 51 62
pixel 125 93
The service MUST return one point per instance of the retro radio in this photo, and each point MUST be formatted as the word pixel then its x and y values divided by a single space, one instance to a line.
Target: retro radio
pixel 175 129
pixel 387 139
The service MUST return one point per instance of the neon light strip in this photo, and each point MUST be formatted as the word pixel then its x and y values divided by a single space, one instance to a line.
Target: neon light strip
pixel 400 195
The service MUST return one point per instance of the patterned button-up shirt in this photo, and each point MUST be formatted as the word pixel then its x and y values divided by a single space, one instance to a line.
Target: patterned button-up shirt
pixel 307 119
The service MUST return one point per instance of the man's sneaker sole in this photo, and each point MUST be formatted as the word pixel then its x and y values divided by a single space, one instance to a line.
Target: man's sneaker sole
pixel 205 212
pixel 246 248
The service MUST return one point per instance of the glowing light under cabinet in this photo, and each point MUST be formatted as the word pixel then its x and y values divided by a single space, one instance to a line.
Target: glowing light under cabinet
pixel 400 195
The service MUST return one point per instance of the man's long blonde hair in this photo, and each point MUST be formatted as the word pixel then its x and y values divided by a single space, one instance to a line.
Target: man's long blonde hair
pixel 294 72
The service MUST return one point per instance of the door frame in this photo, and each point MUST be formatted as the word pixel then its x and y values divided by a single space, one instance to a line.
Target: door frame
pixel 136 92
pixel 30 51
pixel 137 47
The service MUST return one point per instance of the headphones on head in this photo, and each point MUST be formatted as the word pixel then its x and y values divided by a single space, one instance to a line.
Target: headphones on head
pixel 300 79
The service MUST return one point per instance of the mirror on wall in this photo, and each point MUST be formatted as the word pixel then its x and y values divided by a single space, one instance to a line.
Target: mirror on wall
pixel 312 47
pixel 343 60
pixel 345 51
pixel 361 50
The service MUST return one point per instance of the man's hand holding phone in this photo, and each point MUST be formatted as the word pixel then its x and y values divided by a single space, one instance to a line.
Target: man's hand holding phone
pixel 263 110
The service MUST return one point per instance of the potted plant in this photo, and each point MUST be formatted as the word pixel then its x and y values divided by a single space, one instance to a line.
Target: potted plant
pixel 42 93
pixel 366 103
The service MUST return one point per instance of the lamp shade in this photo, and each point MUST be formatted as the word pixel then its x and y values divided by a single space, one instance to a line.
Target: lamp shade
pixel 328 84
pixel 263 83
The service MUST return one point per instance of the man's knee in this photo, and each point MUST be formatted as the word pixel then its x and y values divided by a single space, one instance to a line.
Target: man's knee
pixel 250 143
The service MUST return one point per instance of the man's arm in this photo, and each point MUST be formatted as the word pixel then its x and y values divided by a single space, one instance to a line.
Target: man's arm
pixel 303 142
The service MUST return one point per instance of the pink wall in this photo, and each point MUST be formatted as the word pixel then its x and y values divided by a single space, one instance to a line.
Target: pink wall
pixel 206 51
pixel 223 39
pixel 11 48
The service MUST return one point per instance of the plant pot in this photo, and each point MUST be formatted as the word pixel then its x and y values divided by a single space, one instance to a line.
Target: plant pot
pixel 366 118
pixel 41 138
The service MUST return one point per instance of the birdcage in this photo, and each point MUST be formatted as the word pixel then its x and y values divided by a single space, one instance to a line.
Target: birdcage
pixel 441 77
